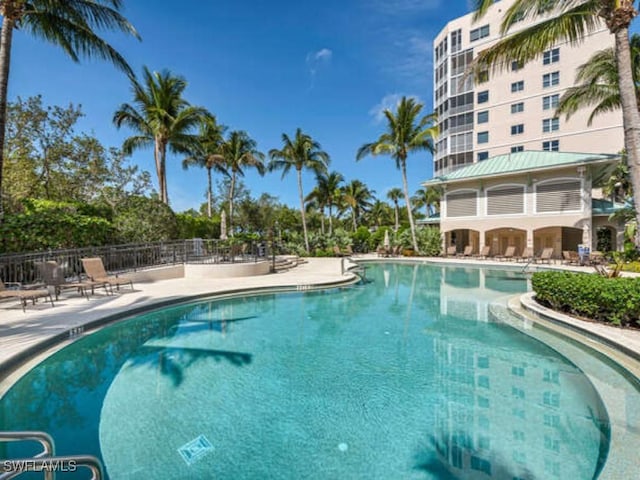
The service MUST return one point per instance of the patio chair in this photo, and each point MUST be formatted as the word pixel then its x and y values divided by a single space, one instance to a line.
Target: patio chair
pixel 383 251
pixel 545 256
pixel 468 250
pixel 24 294
pixel 570 257
pixel 347 251
pixel 94 268
pixel 53 276
pixel 451 251
pixel 484 252
pixel 527 255
pixel 508 254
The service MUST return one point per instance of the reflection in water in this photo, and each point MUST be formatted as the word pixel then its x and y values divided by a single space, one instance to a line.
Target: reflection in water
pixel 409 376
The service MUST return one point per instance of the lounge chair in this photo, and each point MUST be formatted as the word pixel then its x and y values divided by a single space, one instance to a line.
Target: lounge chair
pixel 508 254
pixel 545 256
pixel 24 294
pixel 347 251
pixel 451 251
pixel 382 251
pixel 527 255
pixel 53 276
pixel 337 252
pixel 94 268
pixel 396 251
pixel 570 257
pixel 484 252
pixel 468 251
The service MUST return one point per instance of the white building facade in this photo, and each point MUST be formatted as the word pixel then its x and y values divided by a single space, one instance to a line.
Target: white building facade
pixel 512 110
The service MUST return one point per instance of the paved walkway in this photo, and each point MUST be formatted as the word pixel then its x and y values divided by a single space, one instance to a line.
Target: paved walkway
pixel 23 333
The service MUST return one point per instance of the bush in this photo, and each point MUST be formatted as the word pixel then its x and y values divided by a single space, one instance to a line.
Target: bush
pixel 430 241
pixel 360 239
pixel 142 219
pixel 191 226
pixel 609 300
pixel 46 225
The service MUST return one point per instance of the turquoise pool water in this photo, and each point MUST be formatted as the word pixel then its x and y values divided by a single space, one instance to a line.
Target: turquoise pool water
pixel 408 376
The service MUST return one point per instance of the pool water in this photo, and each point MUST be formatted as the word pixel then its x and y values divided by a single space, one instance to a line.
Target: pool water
pixel 408 376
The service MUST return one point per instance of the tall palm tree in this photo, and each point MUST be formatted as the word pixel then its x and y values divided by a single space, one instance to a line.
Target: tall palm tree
pixel 240 151
pixel 71 25
pixel 329 186
pixel 395 194
pixel 570 21
pixel 207 153
pixel 406 133
pixel 301 152
pixel 162 118
pixel 598 83
pixel 358 198
pixel 380 213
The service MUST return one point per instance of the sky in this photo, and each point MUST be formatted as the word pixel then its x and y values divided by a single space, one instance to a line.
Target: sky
pixel 267 67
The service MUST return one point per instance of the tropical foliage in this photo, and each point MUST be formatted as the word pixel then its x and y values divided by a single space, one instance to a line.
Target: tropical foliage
pixel 70 25
pixel 301 152
pixel 162 119
pixel 406 133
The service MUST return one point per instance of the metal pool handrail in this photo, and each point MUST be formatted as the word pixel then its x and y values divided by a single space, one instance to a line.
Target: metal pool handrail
pixel 45 461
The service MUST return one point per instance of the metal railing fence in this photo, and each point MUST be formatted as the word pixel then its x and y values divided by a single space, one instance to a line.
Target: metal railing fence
pixel 21 267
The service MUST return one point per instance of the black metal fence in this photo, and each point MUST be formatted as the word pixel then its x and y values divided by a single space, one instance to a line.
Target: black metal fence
pixel 131 257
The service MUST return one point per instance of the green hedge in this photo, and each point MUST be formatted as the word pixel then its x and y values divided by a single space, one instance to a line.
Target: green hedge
pixel 610 300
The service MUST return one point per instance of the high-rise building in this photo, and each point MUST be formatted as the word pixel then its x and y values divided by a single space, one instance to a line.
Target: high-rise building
pixel 512 110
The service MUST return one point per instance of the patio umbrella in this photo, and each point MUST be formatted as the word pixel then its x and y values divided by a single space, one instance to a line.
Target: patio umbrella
pixel 586 235
pixel 386 242
pixel 223 225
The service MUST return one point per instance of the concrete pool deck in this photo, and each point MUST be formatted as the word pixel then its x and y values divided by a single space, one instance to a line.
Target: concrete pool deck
pixel 25 334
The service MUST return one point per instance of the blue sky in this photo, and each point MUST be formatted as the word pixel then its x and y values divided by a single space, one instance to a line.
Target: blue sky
pixel 265 67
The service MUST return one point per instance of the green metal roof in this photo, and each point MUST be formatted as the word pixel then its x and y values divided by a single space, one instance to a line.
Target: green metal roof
pixel 520 162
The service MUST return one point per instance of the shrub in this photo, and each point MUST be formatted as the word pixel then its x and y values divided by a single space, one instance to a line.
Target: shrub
pixel 191 226
pixel 142 219
pixel 610 300
pixel 360 239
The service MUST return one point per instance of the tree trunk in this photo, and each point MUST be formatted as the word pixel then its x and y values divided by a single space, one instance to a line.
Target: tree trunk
pixel 322 220
pixel 630 116
pixel 6 37
pixel 232 188
pixel 330 221
pixel 353 217
pixel 304 220
pixel 159 153
pixel 403 168
pixel 209 193
pixel 397 214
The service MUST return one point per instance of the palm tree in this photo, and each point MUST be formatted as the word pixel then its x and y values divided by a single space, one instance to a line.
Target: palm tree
pixel 315 201
pixel 240 151
pixel 301 152
pixel 357 197
pixel 406 133
pixel 597 81
pixel 329 187
pixel 71 25
pixel 207 153
pixel 162 118
pixel 429 197
pixel 380 213
pixel 394 195
pixel 570 21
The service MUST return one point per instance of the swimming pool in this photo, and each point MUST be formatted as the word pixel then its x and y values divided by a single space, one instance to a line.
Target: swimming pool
pixel 408 376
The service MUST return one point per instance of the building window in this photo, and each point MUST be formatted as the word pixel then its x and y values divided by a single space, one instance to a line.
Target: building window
pixel 551 146
pixel 456 41
pixel 483 76
pixel 516 65
pixel 550 101
pixel 483 117
pixel 483 137
pixel 517 148
pixel 550 79
pixel 517 107
pixel 478 33
pixel 550 124
pixel 483 97
pixel 517 129
pixel 551 56
pixel 483 156
pixel 517 86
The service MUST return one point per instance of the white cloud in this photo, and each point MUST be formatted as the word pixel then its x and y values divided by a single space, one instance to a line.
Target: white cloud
pixel 317 60
pixel 389 102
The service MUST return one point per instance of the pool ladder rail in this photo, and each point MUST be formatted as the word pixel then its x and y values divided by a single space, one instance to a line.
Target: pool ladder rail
pixel 46 461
